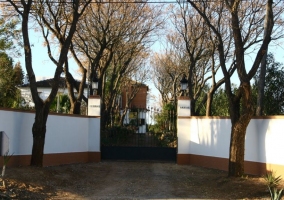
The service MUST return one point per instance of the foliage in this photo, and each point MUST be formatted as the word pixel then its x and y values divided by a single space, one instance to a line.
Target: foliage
pixel 8 34
pixel 188 52
pixel 9 93
pixel 274 87
pixel 18 75
pixel 61 19
pixel 11 77
pixel 272 182
pixel 117 135
pixel 273 91
pixel 237 27
pixel 115 39
pixel 220 104
pixel 64 104
pixel 165 125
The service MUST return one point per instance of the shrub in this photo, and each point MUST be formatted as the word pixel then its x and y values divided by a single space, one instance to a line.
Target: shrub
pixel 272 182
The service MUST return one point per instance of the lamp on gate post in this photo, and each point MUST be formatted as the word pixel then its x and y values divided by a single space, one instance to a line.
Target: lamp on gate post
pixel 95 83
pixel 183 85
pixel 94 101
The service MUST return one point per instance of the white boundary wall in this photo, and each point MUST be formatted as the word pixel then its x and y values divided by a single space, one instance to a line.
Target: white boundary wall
pixel 211 137
pixel 64 133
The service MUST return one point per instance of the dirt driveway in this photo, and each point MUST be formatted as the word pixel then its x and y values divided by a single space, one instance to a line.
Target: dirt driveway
pixel 128 180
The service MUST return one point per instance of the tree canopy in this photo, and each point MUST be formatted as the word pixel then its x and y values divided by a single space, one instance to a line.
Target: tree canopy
pixel 274 87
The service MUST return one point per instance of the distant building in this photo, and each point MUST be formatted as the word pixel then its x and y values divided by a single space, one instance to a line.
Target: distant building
pixel 44 89
pixel 136 114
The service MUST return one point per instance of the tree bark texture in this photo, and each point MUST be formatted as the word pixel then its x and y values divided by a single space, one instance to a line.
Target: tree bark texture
pixel 261 84
pixel 76 107
pixel 261 81
pixel 42 107
pixel 240 123
pixel 39 131
pixel 209 104
pixel 241 109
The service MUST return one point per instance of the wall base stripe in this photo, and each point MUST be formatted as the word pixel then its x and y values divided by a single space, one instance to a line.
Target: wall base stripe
pixel 255 168
pixel 56 159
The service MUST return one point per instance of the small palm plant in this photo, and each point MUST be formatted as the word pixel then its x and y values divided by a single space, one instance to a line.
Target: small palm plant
pixel 272 182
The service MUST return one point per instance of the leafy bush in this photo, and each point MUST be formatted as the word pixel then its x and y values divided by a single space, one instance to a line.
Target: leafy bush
pixel 116 135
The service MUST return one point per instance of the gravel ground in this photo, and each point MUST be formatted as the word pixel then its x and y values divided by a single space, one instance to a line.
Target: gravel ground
pixel 128 180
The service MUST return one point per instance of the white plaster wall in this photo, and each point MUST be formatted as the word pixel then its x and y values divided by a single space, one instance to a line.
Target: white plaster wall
pixel 211 137
pixel 64 133
pixel 184 128
pixel 94 139
pixel 18 128
pixel 270 139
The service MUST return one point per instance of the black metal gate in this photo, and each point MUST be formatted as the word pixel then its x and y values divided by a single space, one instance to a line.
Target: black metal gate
pixel 125 144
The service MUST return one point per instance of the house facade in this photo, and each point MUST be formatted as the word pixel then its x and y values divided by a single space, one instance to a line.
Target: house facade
pixel 44 89
pixel 137 108
pixel 136 112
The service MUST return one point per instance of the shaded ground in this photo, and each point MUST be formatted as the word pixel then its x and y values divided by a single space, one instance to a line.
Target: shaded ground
pixel 128 180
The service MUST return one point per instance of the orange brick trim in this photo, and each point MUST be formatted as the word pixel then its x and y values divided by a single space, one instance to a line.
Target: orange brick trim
pixel 261 168
pixel 255 168
pixel 56 159
pixel 94 156
pixel 203 161
pixel 23 160
pixel 69 158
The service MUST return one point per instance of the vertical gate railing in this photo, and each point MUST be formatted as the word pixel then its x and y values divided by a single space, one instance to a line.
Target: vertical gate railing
pixel 160 132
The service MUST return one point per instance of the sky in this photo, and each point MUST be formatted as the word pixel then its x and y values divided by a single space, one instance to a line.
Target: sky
pixel 42 65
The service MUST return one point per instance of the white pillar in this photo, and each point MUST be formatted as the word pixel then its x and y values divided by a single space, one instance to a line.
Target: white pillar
pixel 183 107
pixel 183 134
pixel 94 105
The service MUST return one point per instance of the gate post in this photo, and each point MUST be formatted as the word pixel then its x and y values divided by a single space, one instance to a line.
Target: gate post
pixel 94 106
pixel 183 135
pixel 183 108
pixel 94 143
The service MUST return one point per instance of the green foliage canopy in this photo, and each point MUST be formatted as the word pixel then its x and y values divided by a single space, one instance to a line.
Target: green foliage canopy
pixel 8 91
pixel 274 87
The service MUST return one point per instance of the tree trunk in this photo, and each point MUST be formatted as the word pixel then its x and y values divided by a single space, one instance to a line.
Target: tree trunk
pixel 75 107
pixel 104 116
pixel 192 107
pixel 261 84
pixel 240 123
pixel 209 103
pixel 261 81
pixel 237 144
pixel 39 131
